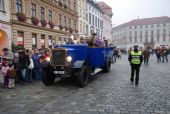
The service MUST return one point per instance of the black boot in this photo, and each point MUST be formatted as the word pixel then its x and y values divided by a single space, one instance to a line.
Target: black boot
pixel 136 83
pixel 131 79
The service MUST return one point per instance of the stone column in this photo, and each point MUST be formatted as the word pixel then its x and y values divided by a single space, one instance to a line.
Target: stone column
pixel 46 41
pixel 28 40
pixel 38 40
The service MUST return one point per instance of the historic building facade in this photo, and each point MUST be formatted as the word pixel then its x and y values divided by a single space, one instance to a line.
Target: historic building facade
pixel 5 26
pixel 149 32
pixel 107 19
pixel 43 23
pixel 94 17
pixel 82 18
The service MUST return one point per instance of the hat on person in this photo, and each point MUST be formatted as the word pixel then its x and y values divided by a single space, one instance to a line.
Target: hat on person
pixel 5 49
pixel 94 34
pixel 135 46
pixel 4 63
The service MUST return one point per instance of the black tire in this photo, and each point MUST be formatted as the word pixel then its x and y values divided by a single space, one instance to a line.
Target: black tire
pixel 47 78
pixel 107 67
pixel 83 76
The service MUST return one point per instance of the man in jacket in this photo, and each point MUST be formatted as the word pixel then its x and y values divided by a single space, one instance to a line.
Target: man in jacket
pixel 135 59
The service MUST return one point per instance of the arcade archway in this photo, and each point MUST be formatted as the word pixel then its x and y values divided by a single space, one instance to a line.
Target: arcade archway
pixel 3 40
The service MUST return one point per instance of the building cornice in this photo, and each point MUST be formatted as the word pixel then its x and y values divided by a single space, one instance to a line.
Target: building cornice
pixel 70 11
pixel 95 5
pixel 37 27
pixel 4 22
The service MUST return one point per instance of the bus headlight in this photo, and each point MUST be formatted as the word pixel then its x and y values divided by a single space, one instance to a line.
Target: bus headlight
pixel 47 59
pixel 69 59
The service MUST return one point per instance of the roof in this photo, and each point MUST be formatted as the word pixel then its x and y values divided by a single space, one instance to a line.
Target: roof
pixel 105 8
pixel 146 21
pixel 95 5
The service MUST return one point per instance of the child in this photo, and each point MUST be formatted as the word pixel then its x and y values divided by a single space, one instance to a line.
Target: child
pixel 11 73
pixel 5 68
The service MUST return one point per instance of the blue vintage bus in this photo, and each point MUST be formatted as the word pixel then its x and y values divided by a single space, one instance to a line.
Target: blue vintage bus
pixel 79 61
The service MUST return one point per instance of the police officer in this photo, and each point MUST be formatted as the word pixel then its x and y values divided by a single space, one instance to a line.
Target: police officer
pixel 135 59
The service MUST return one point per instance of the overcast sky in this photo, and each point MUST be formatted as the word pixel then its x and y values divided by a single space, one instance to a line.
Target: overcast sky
pixel 126 10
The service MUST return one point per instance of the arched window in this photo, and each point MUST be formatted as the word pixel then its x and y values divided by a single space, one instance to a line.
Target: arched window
pixel 18 6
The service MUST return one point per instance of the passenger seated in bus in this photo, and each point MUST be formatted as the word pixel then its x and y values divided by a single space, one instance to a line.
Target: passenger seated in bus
pixel 95 42
pixel 70 41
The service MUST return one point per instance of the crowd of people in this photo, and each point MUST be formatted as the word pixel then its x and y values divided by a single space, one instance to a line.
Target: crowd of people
pixel 20 65
pixel 23 65
pixel 160 52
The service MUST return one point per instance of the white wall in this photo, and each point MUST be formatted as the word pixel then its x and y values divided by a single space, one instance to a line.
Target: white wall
pixel 120 36
pixel 107 26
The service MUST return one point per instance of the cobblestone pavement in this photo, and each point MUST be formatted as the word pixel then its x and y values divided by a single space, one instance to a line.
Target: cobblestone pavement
pixel 110 93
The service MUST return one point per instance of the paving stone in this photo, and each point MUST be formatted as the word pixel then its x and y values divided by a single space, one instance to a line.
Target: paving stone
pixel 106 93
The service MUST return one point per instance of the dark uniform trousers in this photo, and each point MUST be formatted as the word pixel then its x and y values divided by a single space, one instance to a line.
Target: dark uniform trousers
pixel 135 68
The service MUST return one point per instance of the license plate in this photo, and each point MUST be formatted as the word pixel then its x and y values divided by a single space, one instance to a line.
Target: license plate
pixel 59 72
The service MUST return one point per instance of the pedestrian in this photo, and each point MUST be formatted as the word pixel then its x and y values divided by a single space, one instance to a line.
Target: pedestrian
pixel 146 55
pixel 5 68
pixel 37 66
pixel 135 59
pixel 165 55
pixel 158 54
pixel 11 74
pixel 30 68
pixel 23 65
pixel 8 55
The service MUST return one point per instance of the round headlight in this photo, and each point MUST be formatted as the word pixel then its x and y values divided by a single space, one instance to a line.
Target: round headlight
pixel 69 58
pixel 47 59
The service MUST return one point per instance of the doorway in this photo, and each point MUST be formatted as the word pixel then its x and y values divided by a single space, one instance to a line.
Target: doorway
pixel 3 40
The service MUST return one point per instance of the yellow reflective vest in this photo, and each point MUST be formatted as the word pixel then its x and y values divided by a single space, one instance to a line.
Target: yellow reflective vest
pixel 136 57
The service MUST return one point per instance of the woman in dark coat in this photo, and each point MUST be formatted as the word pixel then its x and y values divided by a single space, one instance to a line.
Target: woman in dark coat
pixel 23 65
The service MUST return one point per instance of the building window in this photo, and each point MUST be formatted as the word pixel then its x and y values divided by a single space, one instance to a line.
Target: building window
pixel 75 24
pixel 158 25
pixel 50 43
pixel 65 21
pixel 89 18
pixel 96 21
pixel 146 26
pixel 1 5
pixel 43 41
pixel 164 35
pixel 34 41
pixel 75 6
pixel 69 3
pixel 49 15
pixel 20 39
pixel 164 25
pixel 69 22
pixel 140 38
pixel 42 13
pixel 33 10
pixel 101 24
pixel 59 19
pixel 157 38
pixel 86 17
pixel 80 26
pixel 135 36
pixel 130 27
pixel 130 39
pixel 93 20
pixel 18 6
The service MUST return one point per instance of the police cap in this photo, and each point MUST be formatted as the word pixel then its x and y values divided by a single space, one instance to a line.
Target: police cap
pixel 135 46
